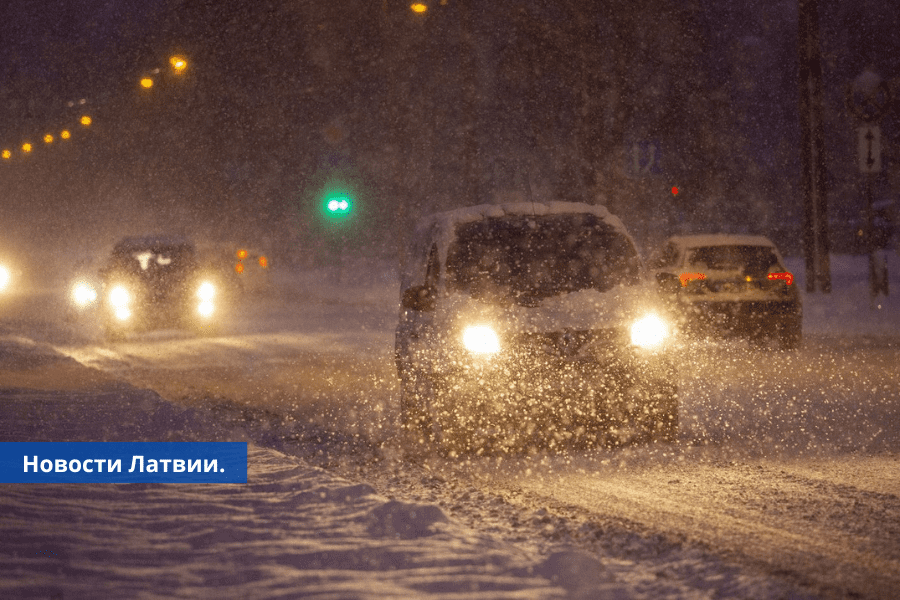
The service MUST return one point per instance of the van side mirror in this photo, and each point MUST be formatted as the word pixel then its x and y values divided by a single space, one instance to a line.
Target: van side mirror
pixel 418 297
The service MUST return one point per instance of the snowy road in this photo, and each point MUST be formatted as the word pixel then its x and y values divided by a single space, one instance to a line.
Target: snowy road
pixel 787 473
pixel 785 481
pixel 791 476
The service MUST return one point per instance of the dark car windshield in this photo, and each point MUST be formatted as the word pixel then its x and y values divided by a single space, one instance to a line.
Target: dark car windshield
pixel 746 259
pixel 529 258
pixel 153 260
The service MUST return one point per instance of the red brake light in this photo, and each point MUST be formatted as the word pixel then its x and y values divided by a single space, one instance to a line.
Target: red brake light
pixel 686 278
pixel 787 277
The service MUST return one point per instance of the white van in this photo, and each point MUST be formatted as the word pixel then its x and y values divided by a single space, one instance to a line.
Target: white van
pixel 531 321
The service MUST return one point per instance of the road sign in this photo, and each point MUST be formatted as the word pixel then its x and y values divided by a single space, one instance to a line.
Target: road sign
pixel 869 149
pixel 645 158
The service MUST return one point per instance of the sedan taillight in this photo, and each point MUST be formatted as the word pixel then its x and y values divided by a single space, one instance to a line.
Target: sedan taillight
pixel 788 278
pixel 686 278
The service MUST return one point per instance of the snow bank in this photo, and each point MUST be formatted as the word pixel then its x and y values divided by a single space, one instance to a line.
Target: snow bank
pixel 849 310
pixel 292 531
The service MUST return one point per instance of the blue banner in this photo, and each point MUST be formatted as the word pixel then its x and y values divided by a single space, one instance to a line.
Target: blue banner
pixel 123 462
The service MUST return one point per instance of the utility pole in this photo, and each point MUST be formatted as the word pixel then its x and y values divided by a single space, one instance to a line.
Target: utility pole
pixel 816 245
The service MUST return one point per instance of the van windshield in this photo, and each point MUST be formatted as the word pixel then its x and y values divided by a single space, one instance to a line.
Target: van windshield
pixel 529 258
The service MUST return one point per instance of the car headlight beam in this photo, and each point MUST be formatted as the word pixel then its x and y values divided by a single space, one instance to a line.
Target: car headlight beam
pixel 120 301
pixel 83 294
pixel 206 291
pixel 205 308
pixel 481 339
pixel 119 297
pixel 649 332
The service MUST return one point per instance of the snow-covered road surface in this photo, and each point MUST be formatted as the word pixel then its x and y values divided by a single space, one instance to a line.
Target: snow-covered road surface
pixel 296 530
pixel 784 482
pixel 293 531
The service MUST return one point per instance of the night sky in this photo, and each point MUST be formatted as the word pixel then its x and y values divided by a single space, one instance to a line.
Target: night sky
pixel 477 100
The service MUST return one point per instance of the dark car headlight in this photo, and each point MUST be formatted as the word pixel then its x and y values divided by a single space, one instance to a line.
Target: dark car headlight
pixel 83 294
pixel 206 293
pixel 120 300
pixel 5 278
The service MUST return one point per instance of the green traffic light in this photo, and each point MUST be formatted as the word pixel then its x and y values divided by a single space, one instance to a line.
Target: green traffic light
pixel 338 205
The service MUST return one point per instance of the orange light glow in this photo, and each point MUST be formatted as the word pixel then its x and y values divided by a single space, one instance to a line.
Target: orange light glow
pixel 26 147
pixel 788 278
pixel 86 120
pixel 65 134
pixel 48 139
pixel 418 7
pixel 239 268
pixel 686 278
pixel 241 254
pixel 7 154
pixel 146 83
pixel 263 262
pixel 178 63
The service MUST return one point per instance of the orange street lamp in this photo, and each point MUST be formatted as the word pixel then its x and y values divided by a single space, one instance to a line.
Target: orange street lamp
pixel 179 64
pixel 418 7
pixel 65 134
pixel 26 147
pixel 86 120
pixel 48 139
pixel 146 83
pixel 7 154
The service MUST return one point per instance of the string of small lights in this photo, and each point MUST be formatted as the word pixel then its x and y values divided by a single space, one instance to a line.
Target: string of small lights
pixel 10 152
pixel 178 64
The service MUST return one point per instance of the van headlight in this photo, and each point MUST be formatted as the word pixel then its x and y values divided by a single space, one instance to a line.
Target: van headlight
pixel 481 339
pixel 649 332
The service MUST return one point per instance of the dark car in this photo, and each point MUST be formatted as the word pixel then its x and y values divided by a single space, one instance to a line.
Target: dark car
pixel 730 285
pixel 151 282
pixel 531 321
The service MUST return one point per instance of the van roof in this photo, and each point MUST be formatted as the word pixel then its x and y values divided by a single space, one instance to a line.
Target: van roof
pixel 439 228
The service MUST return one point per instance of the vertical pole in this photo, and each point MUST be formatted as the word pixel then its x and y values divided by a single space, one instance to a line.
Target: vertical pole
pixel 397 47
pixel 471 150
pixel 816 246
pixel 870 239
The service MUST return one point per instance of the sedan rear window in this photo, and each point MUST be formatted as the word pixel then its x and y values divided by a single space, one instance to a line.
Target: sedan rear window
pixel 746 259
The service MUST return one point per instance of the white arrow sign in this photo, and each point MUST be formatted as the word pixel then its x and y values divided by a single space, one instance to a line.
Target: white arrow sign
pixel 870 149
